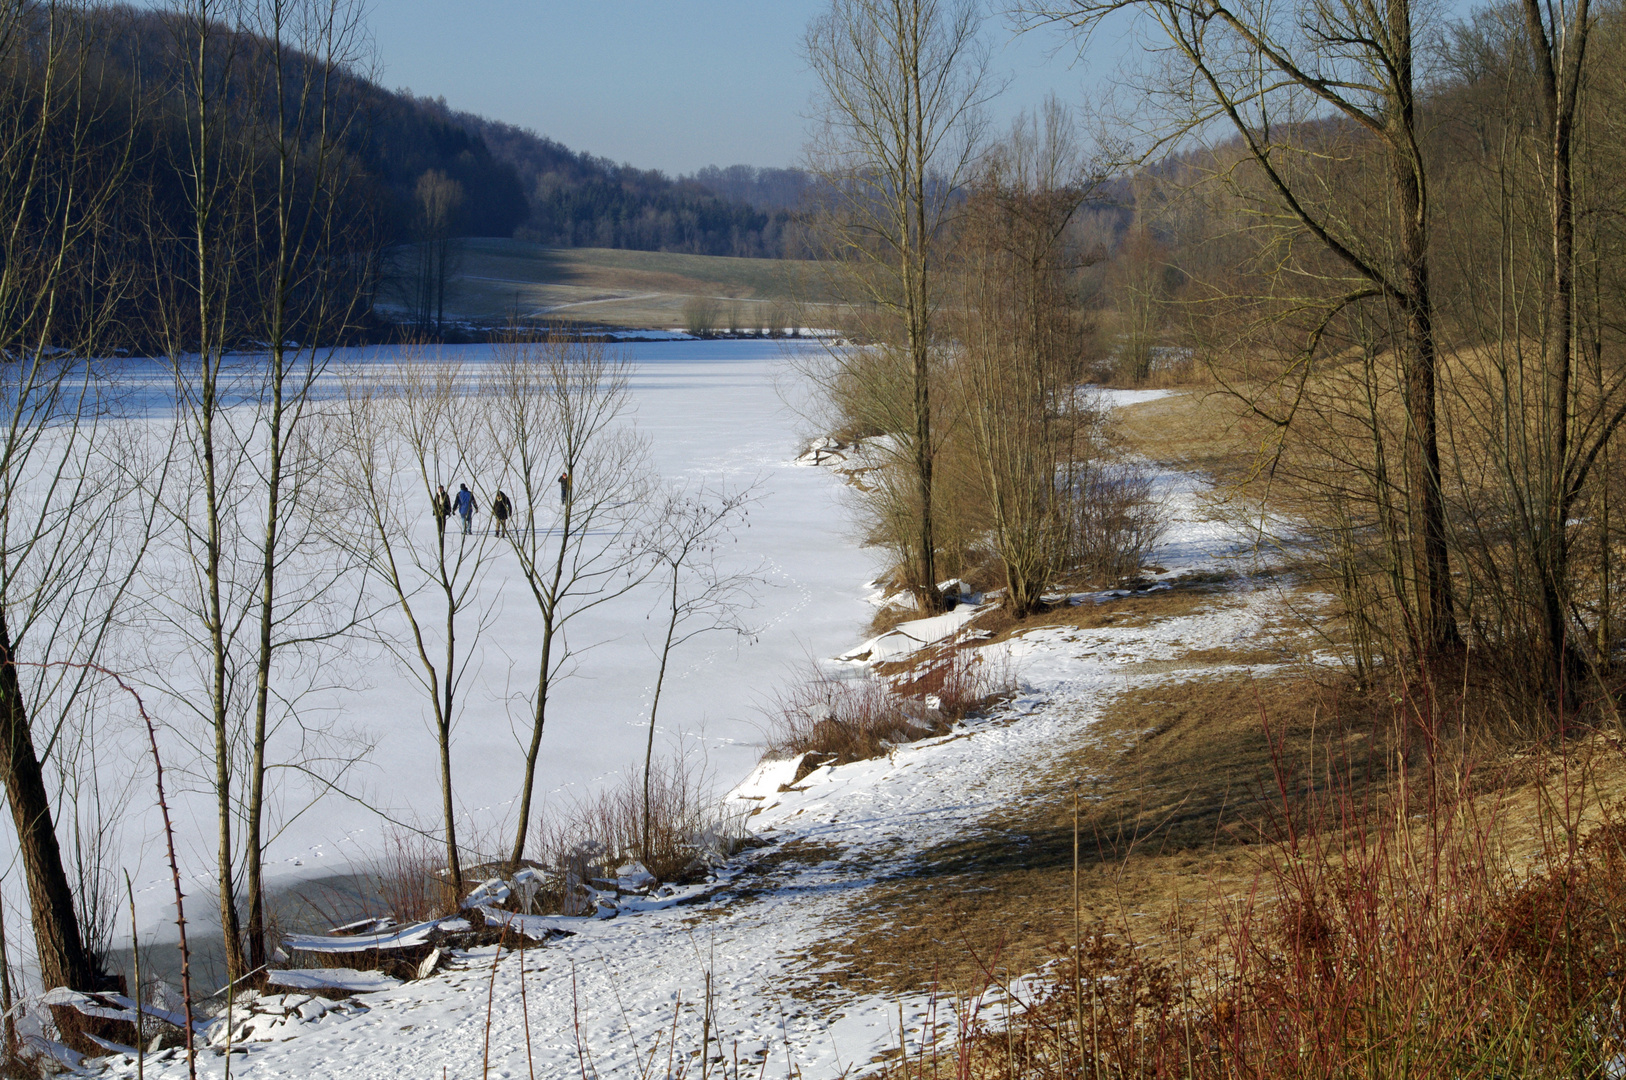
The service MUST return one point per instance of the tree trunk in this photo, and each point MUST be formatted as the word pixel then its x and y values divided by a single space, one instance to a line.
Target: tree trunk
pixel 1559 79
pixel 454 865
pixel 544 677
pixel 1436 606
pixel 62 956
pixel 253 826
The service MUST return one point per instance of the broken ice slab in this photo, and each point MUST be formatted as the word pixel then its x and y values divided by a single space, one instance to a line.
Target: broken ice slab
pixel 407 937
pixel 494 892
pixel 345 979
pixel 115 1007
pixel 535 927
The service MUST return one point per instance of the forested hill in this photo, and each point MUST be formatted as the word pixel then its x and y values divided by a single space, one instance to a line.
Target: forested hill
pixel 513 182
pixel 578 200
pixel 391 138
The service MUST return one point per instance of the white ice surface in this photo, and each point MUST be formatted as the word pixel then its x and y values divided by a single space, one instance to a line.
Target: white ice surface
pixel 610 992
pixel 713 414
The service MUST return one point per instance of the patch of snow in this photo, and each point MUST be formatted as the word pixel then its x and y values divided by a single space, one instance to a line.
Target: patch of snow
pixel 764 782
pixel 912 636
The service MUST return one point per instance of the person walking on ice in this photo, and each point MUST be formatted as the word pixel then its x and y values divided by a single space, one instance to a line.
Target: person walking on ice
pixel 465 506
pixel 499 511
pixel 564 487
pixel 443 509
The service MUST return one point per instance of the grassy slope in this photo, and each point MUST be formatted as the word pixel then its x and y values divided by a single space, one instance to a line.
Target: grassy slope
pixel 494 278
pixel 1181 783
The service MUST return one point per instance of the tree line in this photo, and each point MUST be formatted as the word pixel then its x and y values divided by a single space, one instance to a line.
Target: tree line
pixel 1390 239
pixel 573 199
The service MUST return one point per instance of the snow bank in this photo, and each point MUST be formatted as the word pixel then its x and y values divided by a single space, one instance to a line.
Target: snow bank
pixel 912 636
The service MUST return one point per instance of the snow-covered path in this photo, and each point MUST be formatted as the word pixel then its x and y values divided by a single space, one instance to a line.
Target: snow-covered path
pixel 622 994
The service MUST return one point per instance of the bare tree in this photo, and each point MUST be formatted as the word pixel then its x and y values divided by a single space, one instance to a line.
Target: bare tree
pixel 308 288
pixel 557 404
pixel 66 554
pixel 1557 36
pixel 1020 339
pixel 1279 78
pixel 687 542
pixel 398 446
pixel 1138 288
pixel 895 137
pixel 438 198
pixel 196 320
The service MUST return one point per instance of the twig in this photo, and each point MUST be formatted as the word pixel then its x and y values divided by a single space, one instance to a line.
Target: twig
pixel 525 1013
pixel 491 993
pixel 135 958
pixel 175 873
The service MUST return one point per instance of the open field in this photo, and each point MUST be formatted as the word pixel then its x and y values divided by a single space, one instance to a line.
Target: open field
pixel 496 279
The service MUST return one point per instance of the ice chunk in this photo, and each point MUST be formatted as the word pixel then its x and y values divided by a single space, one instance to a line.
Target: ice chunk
pixel 355 982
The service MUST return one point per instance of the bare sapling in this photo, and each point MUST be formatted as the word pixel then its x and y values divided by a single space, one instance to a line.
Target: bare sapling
pixel 575 477
pixel 689 542
pixel 135 981
pixel 8 1051
pixel 175 875
pixel 402 448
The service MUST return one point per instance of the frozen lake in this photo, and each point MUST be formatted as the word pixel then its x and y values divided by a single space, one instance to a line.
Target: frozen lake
pixel 712 412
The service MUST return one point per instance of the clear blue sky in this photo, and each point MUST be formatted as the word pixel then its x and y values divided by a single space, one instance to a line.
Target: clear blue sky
pixel 666 84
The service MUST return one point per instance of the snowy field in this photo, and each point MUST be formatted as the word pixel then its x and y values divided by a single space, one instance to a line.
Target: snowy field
pixel 627 995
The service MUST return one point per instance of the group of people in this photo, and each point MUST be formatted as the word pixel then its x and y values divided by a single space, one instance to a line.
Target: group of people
pixel 501 508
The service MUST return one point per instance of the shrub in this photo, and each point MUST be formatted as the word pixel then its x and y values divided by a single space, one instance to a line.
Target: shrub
pixel 701 315
pixel 1382 938
pixel 841 720
pixel 590 839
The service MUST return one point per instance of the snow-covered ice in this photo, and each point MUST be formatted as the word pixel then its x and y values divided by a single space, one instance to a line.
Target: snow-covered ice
pixel 712 414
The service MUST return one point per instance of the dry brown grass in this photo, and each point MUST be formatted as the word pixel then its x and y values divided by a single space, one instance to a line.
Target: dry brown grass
pixel 1195 429
pixel 1175 783
pixel 1380 930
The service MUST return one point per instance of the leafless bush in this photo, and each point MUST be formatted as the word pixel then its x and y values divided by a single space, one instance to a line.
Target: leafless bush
pixel 853 719
pixel 593 838
pixel 701 315
pixel 1113 521
pixel 407 877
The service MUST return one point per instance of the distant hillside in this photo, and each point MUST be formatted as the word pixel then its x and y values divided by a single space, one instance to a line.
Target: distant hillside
pixel 765 189
pixel 516 183
pixel 394 138
pixel 578 200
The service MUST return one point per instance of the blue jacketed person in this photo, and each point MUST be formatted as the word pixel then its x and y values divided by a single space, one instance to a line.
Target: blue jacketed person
pixel 465 506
